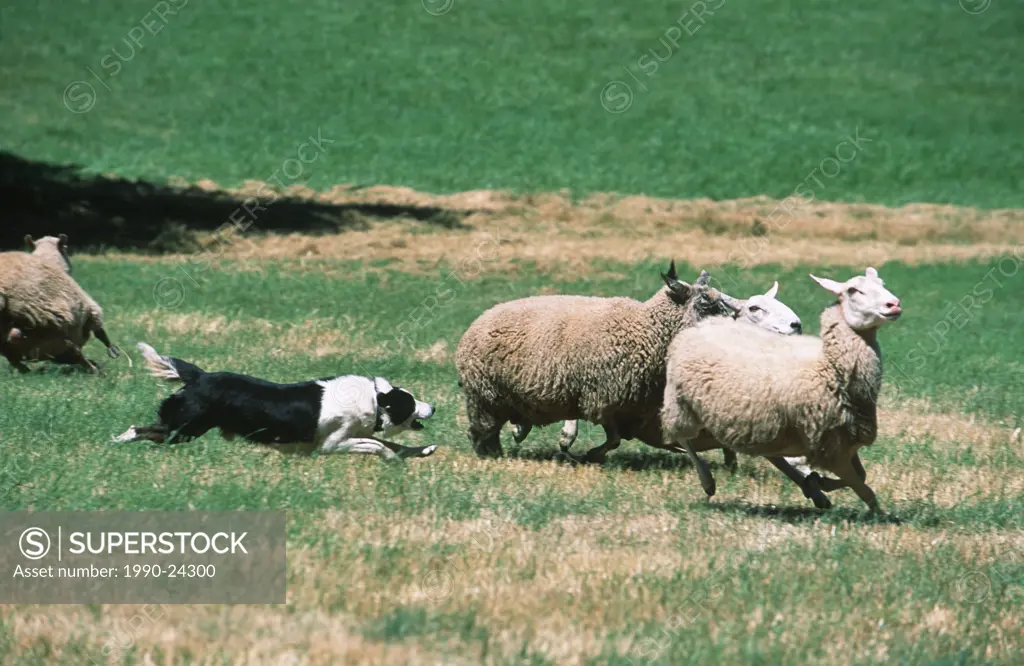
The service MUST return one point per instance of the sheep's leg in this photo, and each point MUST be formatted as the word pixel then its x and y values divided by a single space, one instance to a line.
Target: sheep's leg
pixel 75 355
pixel 520 431
pixel 612 441
pixel 112 349
pixel 729 459
pixel 484 431
pixel 707 481
pixel 829 484
pixel 858 467
pixel 570 429
pixel 826 483
pixel 15 359
pixel 846 470
pixel 807 483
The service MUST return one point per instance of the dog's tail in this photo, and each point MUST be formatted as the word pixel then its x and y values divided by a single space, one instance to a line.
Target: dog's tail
pixel 165 367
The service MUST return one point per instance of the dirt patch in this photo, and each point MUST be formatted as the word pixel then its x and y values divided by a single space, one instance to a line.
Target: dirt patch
pixel 555 233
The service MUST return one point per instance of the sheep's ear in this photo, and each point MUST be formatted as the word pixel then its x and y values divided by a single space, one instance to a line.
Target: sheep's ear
pixel 671 270
pixel 675 286
pixel 831 285
pixel 381 385
pixel 773 291
pixel 704 279
pixel 62 241
pixel 28 242
pixel 728 300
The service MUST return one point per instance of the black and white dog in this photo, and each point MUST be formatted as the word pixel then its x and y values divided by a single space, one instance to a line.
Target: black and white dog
pixel 336 415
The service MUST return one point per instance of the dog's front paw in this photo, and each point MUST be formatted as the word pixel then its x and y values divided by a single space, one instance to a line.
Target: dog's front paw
pixel 427 450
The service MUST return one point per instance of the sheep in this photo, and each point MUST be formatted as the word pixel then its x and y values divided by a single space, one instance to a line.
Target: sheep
pixel 544 359
pixel 51 249
pixel 44 313
pixel 763 310
pixel 767 395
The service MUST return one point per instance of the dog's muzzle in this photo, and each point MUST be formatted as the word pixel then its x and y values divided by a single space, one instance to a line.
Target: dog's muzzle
pixel 423 411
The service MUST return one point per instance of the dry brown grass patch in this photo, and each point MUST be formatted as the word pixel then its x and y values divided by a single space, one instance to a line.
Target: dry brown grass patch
pixel 561 235
pixel 919 420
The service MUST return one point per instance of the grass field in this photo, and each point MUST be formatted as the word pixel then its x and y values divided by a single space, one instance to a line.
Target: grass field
pixel 563 148
pixel 499 95
pixel 523 560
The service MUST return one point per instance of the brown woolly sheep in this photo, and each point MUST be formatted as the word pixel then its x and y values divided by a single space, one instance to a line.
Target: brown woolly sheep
pixel 44 313
pixel 545 359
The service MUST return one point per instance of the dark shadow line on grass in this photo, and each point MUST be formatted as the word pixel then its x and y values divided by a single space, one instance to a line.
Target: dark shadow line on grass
pixel 803 514
pixel 635 461
pixel 99 211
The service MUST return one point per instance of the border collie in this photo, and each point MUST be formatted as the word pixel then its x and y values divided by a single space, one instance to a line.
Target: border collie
pixel 337 415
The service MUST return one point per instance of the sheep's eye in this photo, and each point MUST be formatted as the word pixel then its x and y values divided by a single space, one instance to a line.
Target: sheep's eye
pixel 853 290
pixel 754 308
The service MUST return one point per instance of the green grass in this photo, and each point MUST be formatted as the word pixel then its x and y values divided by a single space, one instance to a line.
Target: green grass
pixel 523 542
pixel 506 95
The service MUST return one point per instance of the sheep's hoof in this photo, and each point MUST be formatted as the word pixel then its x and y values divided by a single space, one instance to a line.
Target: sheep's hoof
pixel 812 491
pixel 595 456
pixel 820 501
pixel 709 487
pixel 483 452
pixel 113 351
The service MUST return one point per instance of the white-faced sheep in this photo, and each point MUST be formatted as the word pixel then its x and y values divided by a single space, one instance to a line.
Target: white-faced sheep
pixel 767 395
pixel 545 359
pixel 44 313
pixel 763 310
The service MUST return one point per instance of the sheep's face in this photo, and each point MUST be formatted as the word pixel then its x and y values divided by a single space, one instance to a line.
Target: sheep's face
pixel 769 313
pixel 865 302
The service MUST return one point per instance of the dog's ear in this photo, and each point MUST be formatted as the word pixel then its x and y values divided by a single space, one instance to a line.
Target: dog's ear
pixel 381 385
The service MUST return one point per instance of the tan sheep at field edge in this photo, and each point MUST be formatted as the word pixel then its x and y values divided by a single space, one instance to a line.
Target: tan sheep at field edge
pixel 737 386
pixel 553 358
pixel 53 250
pixel 44 313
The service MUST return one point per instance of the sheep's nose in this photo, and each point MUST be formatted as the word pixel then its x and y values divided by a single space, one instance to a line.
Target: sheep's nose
pixel 893 306
pixel 796 326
